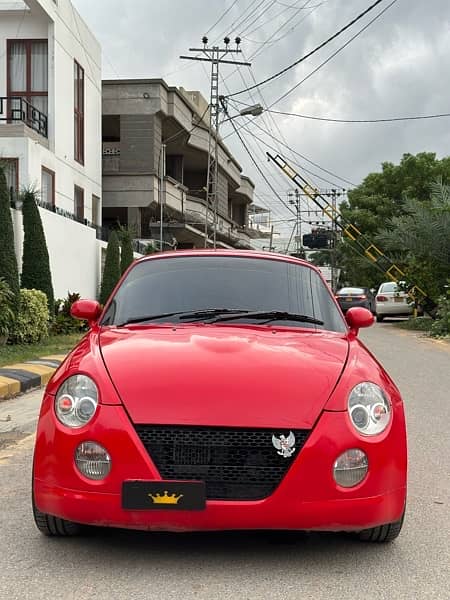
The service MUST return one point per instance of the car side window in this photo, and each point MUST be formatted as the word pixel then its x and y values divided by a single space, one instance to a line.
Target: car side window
pixel 323 306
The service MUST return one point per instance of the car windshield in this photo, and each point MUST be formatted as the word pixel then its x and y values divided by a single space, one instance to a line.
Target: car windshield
pixel 350 292
pixel 165 289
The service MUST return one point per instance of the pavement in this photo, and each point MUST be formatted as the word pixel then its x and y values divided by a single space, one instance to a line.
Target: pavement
pixel 23 377
pixel 119 564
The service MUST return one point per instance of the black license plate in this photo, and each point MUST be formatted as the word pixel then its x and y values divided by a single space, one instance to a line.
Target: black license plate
pixel 163 495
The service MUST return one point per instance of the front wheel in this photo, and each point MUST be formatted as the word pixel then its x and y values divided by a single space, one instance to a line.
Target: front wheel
pixel 383 533
pixel 379 318
pixel 54 526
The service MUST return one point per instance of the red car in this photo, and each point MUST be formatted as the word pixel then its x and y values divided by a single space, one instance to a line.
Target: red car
pixel 221 390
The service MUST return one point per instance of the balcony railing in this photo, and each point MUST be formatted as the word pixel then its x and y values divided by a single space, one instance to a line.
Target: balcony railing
pixel 14 109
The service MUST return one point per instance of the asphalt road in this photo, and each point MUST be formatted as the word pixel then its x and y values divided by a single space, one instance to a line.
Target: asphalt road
pixel 127 565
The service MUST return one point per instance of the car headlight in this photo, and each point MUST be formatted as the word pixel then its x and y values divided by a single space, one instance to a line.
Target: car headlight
pixel 369 408
pixel 76 401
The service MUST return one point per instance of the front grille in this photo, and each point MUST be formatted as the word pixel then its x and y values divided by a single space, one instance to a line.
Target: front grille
pixel 235 464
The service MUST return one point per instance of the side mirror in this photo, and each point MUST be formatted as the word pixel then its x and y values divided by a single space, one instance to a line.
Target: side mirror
pixel 358 317
pixel 86 310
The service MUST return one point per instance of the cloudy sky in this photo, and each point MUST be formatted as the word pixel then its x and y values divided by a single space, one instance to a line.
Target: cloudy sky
pixel 399 66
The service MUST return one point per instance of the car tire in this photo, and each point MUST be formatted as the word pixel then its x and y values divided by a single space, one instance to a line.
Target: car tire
pixel 54 526
pixel 382 534
pixel 379 318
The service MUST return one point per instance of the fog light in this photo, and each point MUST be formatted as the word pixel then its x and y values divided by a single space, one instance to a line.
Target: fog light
pixel 350 468
pixel 92 460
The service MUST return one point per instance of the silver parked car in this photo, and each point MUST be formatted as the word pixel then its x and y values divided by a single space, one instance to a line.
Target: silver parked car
pixel 391 301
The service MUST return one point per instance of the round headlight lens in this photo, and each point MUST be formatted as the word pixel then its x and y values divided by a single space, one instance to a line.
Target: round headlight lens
pixel 76 401
pixel 369 408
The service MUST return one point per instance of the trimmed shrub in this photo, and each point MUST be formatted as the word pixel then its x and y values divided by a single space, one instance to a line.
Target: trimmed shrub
pixel 32 320
pixel 36 274
pixel 64 323
pixel 126 249
pixel 111 272
pixel 441 326
pixel 8 260
pixel 7 316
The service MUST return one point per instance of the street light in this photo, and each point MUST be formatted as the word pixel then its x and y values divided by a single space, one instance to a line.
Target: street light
pixel 253 111
pixel 249 111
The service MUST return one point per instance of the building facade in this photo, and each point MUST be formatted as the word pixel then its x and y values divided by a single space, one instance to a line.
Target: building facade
pixel 155 154
pixel 50 132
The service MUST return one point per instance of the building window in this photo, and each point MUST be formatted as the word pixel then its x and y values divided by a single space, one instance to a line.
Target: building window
pixel 11 169
pixel 28 73
pixel 48 186
pixel 79 112
pixel 79 204
pixel 95 210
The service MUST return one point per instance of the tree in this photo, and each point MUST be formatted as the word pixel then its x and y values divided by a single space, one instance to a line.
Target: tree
pixel 111 272
pixel 420 239
pixel 374 205
pixel 381 196
pixel 36 273
pixel 8 260
pixel 126 250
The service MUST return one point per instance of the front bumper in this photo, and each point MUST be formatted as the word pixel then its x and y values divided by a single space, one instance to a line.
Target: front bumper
pixel 306 499
pixel 99 509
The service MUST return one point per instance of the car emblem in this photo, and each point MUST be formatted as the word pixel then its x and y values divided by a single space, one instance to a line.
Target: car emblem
pixel 166 499
pixel 285 445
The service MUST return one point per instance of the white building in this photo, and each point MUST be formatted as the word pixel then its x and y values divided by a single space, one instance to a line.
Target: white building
pixel 50 131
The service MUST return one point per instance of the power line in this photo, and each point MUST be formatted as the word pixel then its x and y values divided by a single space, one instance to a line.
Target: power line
pixel 256 164
pixel 271 19
pixel 309 54
pixel 385 120
pixel 327 60
pixel 223 15
pixel 256 19
pixel 227 30
pixel 287 21
pixel 232 28
pixel 294 152
pixel 273 176
pixel 294 6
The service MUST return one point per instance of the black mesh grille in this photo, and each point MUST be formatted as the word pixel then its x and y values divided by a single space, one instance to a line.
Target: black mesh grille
pixel 235 464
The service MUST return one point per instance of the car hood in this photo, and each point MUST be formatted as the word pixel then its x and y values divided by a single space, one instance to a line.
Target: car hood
pixel 222 375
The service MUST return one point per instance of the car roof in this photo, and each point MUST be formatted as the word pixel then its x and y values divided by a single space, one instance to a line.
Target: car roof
pixel 229 253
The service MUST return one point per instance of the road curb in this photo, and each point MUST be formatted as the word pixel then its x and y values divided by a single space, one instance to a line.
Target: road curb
pixel 25 376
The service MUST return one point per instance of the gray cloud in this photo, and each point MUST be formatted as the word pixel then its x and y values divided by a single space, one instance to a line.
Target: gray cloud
pixel 398 67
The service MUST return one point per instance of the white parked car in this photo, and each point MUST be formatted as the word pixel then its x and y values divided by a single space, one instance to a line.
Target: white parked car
pixel 391 301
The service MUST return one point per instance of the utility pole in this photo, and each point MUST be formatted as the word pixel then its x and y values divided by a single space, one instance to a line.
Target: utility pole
pixel 214 55
pixel 298 237
pixel 162 173
pixel 271 239
pixel 333 240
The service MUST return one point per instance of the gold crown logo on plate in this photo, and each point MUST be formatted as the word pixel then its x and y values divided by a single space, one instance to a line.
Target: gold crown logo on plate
pixel 165 498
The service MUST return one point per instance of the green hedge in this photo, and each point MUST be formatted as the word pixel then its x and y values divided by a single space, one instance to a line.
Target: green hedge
pixel 6 313
pixel 32 320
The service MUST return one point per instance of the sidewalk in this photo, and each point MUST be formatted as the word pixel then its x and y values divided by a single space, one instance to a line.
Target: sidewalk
pixel 22 377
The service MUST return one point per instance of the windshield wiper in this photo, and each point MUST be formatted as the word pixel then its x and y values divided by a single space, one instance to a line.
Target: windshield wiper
pixel 216 315
pixel 270 315
pixel 149 318
pixel 184 315
pixel 212 312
